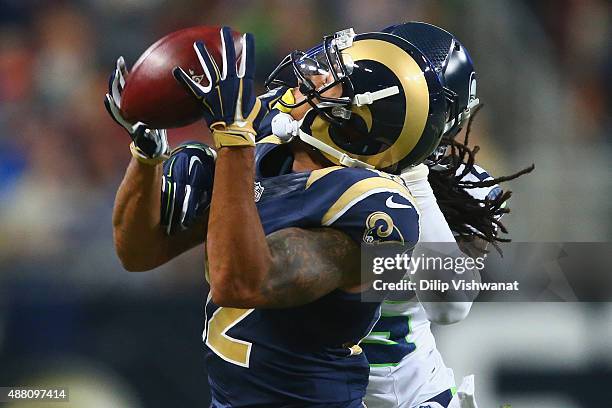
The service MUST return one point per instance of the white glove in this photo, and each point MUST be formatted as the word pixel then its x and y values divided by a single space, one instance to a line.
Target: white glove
pixel 148 145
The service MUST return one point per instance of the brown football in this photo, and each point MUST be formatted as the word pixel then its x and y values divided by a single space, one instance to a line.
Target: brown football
pixel 152 95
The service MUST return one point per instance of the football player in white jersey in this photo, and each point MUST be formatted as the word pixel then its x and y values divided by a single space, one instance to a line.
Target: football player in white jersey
pixel 407 370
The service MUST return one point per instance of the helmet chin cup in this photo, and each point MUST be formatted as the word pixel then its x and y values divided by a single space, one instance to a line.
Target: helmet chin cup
pixel 285 127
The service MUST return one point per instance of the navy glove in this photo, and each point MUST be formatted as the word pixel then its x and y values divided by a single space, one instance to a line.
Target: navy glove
pixel 148 145
pixel 186 185
pixel 230 107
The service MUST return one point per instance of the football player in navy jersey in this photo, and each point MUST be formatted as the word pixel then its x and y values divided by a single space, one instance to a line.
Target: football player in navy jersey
pixel 284 317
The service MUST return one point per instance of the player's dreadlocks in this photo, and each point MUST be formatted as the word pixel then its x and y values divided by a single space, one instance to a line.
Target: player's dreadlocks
pixel 466 215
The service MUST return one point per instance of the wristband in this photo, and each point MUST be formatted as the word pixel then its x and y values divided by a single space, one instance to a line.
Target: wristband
pixel 233 135
pixel 144 159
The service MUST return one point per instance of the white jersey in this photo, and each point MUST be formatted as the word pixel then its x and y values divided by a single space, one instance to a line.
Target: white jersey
pixel 417 376
pixel 477 173
pixel 406 368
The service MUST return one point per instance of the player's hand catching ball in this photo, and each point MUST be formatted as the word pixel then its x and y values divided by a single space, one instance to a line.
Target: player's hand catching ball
pixel 231 108
pixel 148 145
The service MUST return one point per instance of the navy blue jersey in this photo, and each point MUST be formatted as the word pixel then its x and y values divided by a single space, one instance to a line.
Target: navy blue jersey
pixel 305 356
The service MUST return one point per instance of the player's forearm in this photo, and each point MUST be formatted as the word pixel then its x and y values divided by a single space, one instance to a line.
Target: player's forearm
pixel 455 311
pixel 137 234
pixel 238 254
pixel 437 235
pixel 450 306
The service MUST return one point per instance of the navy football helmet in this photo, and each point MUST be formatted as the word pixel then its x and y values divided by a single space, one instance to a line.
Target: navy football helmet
pixel 452 63
pixel 391 111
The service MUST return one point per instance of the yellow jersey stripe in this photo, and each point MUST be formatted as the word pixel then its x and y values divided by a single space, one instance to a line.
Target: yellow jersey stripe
pixel 360 190
pixel 271 139
pixel 318 174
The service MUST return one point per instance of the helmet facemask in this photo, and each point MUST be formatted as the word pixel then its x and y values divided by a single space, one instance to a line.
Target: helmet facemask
pixel 299 69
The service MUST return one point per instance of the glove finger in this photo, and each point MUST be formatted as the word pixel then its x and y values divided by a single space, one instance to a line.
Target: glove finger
pixel 115 113
pixel 189 84
pixel 171 211
pixel 165 200
pixel 196 89
pixel 247 63
pixel 187 209
pixel 228 53
pixel 123 71
pixel 116 87
pixel 169 196
pixel 111 81
pixel 211 70
pixel 208 116
pixel 162 137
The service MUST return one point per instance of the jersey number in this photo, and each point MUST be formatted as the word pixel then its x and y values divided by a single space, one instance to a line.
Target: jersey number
pixel 228 348
pixel 389 344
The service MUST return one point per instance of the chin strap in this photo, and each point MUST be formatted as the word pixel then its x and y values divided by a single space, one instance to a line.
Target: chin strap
pixel 286 128
pixel 342 158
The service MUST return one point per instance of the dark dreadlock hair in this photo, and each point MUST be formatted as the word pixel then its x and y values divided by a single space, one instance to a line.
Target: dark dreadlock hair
pixel 466 215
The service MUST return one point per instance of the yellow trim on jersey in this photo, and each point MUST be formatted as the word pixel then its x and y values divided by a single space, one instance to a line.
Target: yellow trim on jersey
pixel 359 191
pixel 288 98
pixel 270 139
pixel 317 174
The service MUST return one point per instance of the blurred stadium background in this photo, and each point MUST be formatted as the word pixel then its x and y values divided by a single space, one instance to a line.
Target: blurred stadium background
pixel 70 316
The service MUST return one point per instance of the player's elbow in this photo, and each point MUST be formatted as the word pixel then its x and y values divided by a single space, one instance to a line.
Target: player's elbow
pixel 134 264
pixel 130 259
pixel 135 257
pixel 447 312
pixel 234 293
